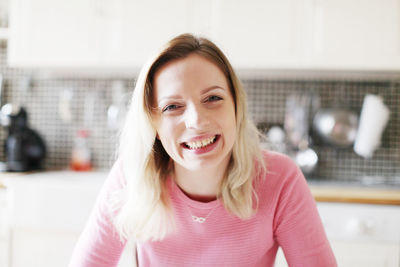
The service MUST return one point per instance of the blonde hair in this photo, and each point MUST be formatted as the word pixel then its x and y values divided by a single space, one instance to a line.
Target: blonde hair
pixel 143 208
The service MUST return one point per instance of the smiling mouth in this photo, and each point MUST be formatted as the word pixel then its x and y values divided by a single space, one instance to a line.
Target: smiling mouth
pixel 201 143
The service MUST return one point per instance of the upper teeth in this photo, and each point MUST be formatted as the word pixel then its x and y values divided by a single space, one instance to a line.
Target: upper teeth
pixel 200 143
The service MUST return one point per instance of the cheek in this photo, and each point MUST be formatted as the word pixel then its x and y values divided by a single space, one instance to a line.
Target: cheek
pixel 227 120
pixel 167 132
pixel 230 116
pixel 232 129
pixel 232 123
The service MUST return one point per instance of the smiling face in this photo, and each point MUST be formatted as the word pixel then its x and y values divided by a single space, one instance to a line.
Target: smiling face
pixel 194 113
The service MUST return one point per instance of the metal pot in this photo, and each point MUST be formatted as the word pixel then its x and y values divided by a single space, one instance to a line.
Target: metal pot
pixel 336 126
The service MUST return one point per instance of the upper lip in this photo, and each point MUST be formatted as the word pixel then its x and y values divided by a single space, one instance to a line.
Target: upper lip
pixel 199 138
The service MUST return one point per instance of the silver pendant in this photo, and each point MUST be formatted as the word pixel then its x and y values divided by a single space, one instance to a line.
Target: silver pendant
pixel 198 219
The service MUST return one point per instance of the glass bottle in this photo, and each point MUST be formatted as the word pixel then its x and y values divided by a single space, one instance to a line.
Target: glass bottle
pixel 81 156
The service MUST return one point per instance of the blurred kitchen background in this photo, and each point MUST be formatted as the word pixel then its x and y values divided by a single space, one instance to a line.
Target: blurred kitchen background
pixel 63 95
pixel 90 100
pixel 73 65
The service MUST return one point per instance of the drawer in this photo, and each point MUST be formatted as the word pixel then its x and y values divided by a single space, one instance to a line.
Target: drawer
pixel 53 202
pixel 3 212
pixel 361 222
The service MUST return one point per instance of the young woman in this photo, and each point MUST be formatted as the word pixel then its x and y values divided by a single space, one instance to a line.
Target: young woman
pixel 191 186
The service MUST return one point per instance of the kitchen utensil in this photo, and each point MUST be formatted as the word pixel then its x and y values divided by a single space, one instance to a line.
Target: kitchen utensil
pixel 275 139
pixel 373 120
pixel 90 104
pixel 7 112
pixel 336 126
pixel 116 111
pixel 64 105
pixel 299 110
pixel 306 159
pixel 296 119
pixel 1 89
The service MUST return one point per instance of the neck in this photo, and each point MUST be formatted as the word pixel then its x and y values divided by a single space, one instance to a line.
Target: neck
pixel 201 185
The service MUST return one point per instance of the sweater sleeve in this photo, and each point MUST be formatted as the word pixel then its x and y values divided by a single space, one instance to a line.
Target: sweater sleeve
pixel 297 226
pixel 99 244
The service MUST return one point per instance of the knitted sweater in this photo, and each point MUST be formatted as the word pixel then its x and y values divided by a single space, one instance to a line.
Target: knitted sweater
pixel 287 217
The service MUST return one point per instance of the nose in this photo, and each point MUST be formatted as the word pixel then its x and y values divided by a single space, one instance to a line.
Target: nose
pixel 196 117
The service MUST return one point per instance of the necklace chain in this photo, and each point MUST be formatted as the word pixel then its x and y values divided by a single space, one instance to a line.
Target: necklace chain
pixel 200 219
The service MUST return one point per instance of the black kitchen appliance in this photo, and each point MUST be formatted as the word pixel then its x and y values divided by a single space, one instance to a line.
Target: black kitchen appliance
pixel 25 149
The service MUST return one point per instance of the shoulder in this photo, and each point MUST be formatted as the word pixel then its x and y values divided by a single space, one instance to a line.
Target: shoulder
pixel 282 174
pixel 278 163
pixel 115 179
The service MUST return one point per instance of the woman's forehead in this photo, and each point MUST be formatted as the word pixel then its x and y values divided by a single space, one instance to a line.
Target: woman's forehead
pixel 194 72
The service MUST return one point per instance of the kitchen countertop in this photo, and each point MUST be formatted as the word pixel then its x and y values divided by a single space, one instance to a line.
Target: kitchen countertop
pixel 323 192
pixel 353 194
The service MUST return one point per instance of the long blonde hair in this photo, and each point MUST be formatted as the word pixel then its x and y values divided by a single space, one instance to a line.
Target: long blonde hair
pixel 143 208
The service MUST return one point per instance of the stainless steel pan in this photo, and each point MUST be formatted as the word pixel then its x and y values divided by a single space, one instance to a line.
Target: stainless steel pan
pixel 336 126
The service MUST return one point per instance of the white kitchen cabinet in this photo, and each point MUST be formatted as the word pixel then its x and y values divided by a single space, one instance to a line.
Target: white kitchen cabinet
pixel 4 233
pixel 260 34
pixel 256 35
pixel 360 234
pixel 53 33
pixel 97 34
pixel 33 247
pixel 350 254
pixel 310 34
pixel 353 35
pixel 4 11
pixel 3 33
pixel 366 254
pixel 46 213
pixel 136 29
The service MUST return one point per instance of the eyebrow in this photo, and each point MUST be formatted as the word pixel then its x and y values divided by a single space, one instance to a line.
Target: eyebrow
pixel 206 90
pixel 163 99
pixel 202 92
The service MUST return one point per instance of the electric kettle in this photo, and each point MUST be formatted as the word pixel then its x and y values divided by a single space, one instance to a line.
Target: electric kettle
pixel 25 150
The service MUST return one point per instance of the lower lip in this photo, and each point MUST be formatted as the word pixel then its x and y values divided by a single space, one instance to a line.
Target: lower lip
pixel 204 149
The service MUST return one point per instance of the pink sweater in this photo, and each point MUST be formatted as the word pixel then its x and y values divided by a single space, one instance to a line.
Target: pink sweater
pixel 287 217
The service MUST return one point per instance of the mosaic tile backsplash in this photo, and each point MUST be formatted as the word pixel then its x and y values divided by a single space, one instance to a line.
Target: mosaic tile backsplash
pixel 90 100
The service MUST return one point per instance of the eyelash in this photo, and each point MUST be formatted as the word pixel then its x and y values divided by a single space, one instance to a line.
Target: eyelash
pixel 172 107
pixel 215 98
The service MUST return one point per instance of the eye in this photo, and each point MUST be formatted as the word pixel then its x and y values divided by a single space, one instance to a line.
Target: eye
pixel 171 107
pixel 213 98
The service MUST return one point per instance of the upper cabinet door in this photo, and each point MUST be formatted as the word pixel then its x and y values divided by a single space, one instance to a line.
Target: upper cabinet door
pixel 255 35
pixel 130 31
pixel 260 33
pixel 51 33
pixel 356 34
pixel 87 33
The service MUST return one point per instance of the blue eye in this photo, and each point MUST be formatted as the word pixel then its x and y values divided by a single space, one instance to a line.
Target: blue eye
pixel 170 108
pixel 214 98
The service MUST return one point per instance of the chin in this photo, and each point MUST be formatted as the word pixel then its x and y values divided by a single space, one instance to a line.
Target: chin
pixel 203 164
